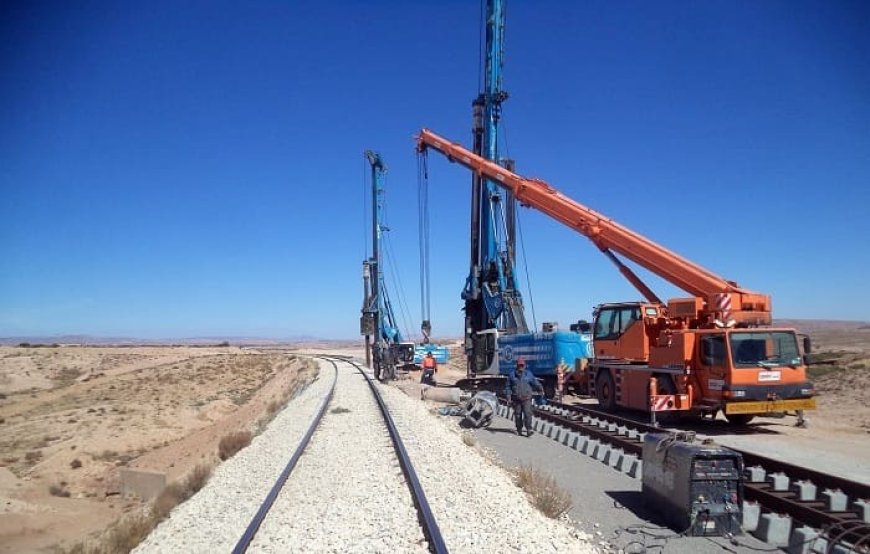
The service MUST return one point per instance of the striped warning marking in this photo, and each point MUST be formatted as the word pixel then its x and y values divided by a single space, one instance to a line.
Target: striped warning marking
pixel 662 402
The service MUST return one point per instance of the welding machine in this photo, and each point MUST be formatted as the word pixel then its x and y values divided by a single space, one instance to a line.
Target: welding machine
pixel 697 487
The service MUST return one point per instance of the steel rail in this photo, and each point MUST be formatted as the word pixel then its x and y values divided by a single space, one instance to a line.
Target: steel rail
pixel 795 472
pixel 260 516
pixel 426 518
pixel 812 513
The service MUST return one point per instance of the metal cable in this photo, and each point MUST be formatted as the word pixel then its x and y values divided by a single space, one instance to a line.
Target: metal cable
pixel 400 289
pixel 423 231
pixel 526 269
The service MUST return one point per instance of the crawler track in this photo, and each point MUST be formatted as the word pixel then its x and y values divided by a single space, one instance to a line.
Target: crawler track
pixel 845 524
pixel 427 521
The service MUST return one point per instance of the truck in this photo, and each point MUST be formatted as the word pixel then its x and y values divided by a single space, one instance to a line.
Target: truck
pixel 713 351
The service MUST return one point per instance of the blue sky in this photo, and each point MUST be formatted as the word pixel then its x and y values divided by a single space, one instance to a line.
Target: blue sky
pixel 186 169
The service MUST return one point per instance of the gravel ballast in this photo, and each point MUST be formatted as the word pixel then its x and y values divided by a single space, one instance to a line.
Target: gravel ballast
pixel 216 517
pixel 477 506
pixel 348 494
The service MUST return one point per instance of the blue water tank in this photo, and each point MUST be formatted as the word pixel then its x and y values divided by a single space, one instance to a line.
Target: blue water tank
pixel 543 352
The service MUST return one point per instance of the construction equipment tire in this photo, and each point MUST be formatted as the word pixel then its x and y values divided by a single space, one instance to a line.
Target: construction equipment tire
pixel 605 391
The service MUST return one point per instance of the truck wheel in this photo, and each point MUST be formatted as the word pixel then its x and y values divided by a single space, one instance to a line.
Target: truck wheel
pixel 739 419
pixel 605 391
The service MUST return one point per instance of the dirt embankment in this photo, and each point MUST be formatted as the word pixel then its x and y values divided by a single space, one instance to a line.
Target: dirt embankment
pixel 71 417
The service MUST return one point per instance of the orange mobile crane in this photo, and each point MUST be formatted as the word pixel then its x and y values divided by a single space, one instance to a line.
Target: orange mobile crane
pixel 713 351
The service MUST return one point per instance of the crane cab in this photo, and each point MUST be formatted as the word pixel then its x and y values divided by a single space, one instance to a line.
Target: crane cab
pixel 623 332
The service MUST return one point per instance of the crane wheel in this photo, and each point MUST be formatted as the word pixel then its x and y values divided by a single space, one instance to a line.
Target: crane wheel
pixel 605 391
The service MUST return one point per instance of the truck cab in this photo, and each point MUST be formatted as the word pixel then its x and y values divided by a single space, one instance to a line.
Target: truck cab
pixel 751 371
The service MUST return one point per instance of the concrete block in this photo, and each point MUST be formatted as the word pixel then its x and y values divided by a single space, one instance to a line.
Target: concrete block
pixel 836 499
pixel 632 434
pixel 636 471
pixel 612 457
pixel 510 413
pixel 778 481
pixel 591 447
pixel 625 462
pixel 863 509
pixel 568 438
pixel 622 430
pixel 755 474
pixel 144 484
pixel 603 453
pixel 580 444
pixel 546 427
pixel 805 490
pixel 554 432
pixel 751 514
pixel 801 540
pixel 774 529
pixel 820 546
pixel 612 427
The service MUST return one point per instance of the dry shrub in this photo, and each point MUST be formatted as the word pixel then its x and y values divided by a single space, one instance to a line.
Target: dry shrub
pixel 339 410
pixel 543 491
pixel 106 455
pixel 75 464
pixel 273 407
pixel 468 439
pixel 197 479
pixel 232 443
pixel 170 497
pixel 125 535
pixel 33 456
pixel 58 490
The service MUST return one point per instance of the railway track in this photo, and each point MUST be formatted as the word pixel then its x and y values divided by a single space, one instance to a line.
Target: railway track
pixel 838 507
pixel 268 531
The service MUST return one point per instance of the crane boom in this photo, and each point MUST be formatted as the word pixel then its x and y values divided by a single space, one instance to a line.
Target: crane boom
pixel 750 308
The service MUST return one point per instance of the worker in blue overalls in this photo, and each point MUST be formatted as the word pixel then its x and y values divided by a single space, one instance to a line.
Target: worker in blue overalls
pixel 521 387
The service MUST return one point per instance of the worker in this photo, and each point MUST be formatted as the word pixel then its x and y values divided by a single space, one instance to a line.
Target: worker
pixel 521 386
pixel 430 366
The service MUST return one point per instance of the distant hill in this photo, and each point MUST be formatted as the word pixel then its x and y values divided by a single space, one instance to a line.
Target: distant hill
pixel 816 325
pixel 133 341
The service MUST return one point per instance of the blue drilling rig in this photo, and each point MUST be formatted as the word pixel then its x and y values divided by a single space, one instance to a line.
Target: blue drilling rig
pixel 496 331
pixel 385 348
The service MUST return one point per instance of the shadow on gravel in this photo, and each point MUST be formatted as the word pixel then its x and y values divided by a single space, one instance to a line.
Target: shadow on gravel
pixel 501 430
pixel 634 502
pixel 719 428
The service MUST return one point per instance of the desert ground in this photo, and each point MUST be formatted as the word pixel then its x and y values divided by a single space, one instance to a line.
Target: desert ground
pixel 73 416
